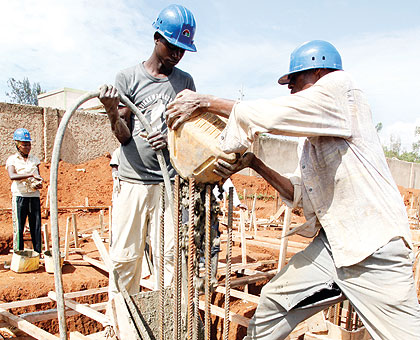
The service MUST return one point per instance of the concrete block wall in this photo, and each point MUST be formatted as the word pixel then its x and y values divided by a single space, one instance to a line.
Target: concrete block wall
pixel 88 135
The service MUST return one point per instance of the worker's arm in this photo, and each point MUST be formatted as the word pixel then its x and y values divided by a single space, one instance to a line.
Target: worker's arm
pixel 11 170
pixel 119 120
pixel 188 104
pixel 249 160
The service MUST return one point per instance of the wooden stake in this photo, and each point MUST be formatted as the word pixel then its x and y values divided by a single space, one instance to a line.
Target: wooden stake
pixel 46 236
pixel 67 239
pixel 254 216
pixel 86 201
pixel 101 222
pixel 284 240
pixel 243 239
pixel 75 232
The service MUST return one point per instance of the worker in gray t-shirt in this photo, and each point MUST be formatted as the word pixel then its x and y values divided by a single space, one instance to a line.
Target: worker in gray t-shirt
pixel 150 85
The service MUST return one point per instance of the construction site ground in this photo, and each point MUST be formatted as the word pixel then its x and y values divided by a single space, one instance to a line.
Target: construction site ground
pixel 89 185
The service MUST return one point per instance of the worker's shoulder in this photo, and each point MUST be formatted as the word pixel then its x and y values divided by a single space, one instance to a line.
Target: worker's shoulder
pixel 180 73
pixel 11 159
pixel 338 79
pixel 129 71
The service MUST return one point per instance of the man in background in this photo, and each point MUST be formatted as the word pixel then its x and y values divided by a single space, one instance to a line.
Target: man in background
pixel 23 170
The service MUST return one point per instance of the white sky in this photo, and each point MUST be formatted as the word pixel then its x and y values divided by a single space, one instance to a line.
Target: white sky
pixel 241 45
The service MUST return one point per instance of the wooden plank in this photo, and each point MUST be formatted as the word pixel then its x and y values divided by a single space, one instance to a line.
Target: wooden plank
pixel 271 245
pixel 37 301
pixel 26 326
pixel 239 295
pixel 50 314
pixel 24 303
pixel 241 281
pixel 82 309
pixel 95 263
pixel 220 312
pixel 78 336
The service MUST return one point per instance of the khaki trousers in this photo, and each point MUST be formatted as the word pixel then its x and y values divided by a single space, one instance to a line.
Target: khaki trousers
pixel 380 288
pixel 137 215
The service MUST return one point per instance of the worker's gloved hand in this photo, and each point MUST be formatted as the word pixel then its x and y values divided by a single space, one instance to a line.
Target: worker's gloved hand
pixel 108 95
pixel 187 104
pixel 157 140
pixel 225 169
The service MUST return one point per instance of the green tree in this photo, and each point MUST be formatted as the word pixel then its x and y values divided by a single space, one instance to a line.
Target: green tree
pixel 378 127
pixel 22 92
pixel 394 149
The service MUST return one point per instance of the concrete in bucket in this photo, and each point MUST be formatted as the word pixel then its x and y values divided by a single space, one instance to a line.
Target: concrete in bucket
pixel 194 148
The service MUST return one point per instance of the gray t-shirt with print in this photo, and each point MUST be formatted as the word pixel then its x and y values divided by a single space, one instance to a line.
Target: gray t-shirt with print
pixel 138 161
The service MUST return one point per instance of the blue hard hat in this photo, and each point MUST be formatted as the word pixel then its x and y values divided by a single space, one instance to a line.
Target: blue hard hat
pixel 22 135
pixel 177 25
pixel 312 54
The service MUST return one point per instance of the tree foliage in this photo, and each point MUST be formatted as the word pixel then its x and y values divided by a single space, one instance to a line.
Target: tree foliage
pixel 22 92
pixel 394 149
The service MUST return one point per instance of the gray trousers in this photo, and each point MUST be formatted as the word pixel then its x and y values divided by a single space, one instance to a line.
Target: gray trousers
pixel 380 288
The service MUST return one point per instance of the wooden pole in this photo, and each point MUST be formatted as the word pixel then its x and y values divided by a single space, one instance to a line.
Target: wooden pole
pixel 75 232
pixel 254 216
pixel 46 236
pixel 284 240
pixel 67 239
pixel 101 222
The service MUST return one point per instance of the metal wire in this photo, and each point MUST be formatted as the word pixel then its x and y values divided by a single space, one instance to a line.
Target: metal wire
pixel 228 265
pixel 191 252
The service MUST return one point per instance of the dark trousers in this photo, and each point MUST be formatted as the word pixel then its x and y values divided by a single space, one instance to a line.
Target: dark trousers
pixel 27 207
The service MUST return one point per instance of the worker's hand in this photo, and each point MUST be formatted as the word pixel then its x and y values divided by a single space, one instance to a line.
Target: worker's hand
pixel 108 95
pixel 187 104
pixel 157 140
pixel 225 169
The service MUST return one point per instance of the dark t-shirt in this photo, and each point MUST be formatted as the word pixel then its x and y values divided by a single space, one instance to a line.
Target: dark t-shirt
pixel 138 161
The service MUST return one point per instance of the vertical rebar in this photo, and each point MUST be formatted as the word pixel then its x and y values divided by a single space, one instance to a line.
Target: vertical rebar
pixel 207 323
pixel 196 314
pixel 177 264
pixel 191 252
pixel 228 265
pixel 162 262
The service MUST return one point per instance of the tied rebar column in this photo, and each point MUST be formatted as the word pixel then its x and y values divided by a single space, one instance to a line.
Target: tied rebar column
pixel 228 265
pixel 162 262
pixel 207 323
pixel 191 252
pixel 177 264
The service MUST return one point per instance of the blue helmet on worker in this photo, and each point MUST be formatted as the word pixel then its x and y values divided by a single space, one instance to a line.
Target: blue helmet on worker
pixel 22 135
pixel 177 25
pixel 310 55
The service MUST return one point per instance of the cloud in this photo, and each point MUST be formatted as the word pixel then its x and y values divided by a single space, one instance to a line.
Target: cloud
pixel 81 44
